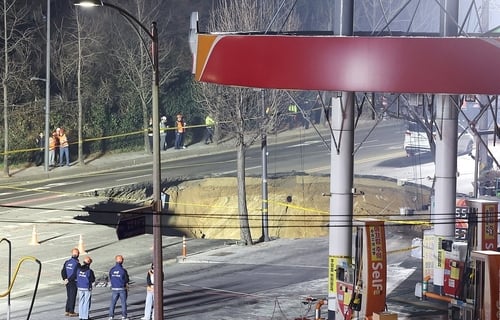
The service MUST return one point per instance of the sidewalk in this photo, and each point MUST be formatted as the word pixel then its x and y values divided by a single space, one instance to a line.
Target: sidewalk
pixel 113 160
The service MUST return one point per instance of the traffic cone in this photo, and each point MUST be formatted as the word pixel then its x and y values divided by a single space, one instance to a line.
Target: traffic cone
pixel 34 237
pixel 81 247
pixel 184 249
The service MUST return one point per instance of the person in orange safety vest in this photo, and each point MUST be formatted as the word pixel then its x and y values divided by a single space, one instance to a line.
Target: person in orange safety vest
pixel 63 148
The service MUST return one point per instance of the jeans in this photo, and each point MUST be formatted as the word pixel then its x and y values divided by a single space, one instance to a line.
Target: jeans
pixel 122 294
pixel 209 133
pixel 163 140
pixel 84 303
pixel 63 152
pixel 148 308
pixel 52 157
pixel 179 140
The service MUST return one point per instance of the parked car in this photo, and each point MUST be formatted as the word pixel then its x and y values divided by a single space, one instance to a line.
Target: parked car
pixel 416 140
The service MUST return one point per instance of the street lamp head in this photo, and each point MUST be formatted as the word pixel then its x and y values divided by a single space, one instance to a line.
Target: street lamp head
pixel 37 79
pixel 88 3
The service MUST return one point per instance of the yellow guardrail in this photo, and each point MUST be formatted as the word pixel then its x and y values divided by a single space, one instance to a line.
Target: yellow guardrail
pixel 12 280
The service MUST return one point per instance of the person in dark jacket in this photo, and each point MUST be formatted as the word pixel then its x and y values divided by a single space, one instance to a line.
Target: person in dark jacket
pixel 148 307
pixel 40 153
pixel 69 272
pixel 118 276
pixel 84 282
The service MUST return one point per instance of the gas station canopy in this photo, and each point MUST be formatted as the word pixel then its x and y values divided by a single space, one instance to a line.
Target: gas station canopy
pixel 362 64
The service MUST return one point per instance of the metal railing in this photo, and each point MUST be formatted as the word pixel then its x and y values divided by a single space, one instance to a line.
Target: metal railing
pixel 12 279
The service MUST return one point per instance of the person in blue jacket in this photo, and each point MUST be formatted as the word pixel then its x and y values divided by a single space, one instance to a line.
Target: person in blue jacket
pixel 118 276
pixel 84 281
pixel 69 272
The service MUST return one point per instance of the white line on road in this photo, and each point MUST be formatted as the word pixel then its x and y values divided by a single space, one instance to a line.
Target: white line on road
pixel 234 171
pixel 307 143
pixel 135 177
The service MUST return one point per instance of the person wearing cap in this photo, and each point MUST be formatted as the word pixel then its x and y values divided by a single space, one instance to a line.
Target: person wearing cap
pixel 163 133
pixel 118 276
pixel 84 281
pixel 209 129
pixel 69 273
pixel 180 129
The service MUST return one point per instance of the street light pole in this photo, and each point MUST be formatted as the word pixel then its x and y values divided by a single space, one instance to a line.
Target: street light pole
pixel 157 204
pixel 47 95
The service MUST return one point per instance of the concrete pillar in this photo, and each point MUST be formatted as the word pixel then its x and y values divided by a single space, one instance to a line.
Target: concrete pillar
pixel 341 189
pixel 445 187
pixel 342 170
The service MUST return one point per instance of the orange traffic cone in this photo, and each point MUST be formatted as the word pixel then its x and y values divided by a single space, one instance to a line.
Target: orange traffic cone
pixel 34 237
pixel 81 247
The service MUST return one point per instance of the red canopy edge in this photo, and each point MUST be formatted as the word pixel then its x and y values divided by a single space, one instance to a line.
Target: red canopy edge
pixel 363 64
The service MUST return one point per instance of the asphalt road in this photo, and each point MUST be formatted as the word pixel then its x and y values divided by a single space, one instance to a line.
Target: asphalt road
pixel 216 280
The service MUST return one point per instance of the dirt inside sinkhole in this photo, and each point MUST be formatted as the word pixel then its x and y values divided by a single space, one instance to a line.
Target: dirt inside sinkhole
pixel 298 206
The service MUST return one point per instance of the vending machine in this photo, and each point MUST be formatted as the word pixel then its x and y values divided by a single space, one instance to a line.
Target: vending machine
pixel 454 269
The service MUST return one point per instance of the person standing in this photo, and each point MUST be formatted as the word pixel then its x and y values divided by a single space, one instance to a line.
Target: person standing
pixel 118 276
pixel 180 129
pixel 148 307
pixel 293 110
pixel 84 282
pixel 58 145
pixel 52 150
pixel 209 124
pixel 63 148
pixel 163 133
pixel 40 143
pixel 69 273
pixel 150 135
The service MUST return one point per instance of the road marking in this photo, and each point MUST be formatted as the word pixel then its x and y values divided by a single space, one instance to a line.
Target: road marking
pixel 62 184
pixel 307 143
pixel 18 203
pixel 234 171
pixel 134 178
pixel 366 160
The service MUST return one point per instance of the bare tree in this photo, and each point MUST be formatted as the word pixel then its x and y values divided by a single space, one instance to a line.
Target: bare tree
pixel 16 36
pixel 83 55
pixel 135 64
pixel 238 111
